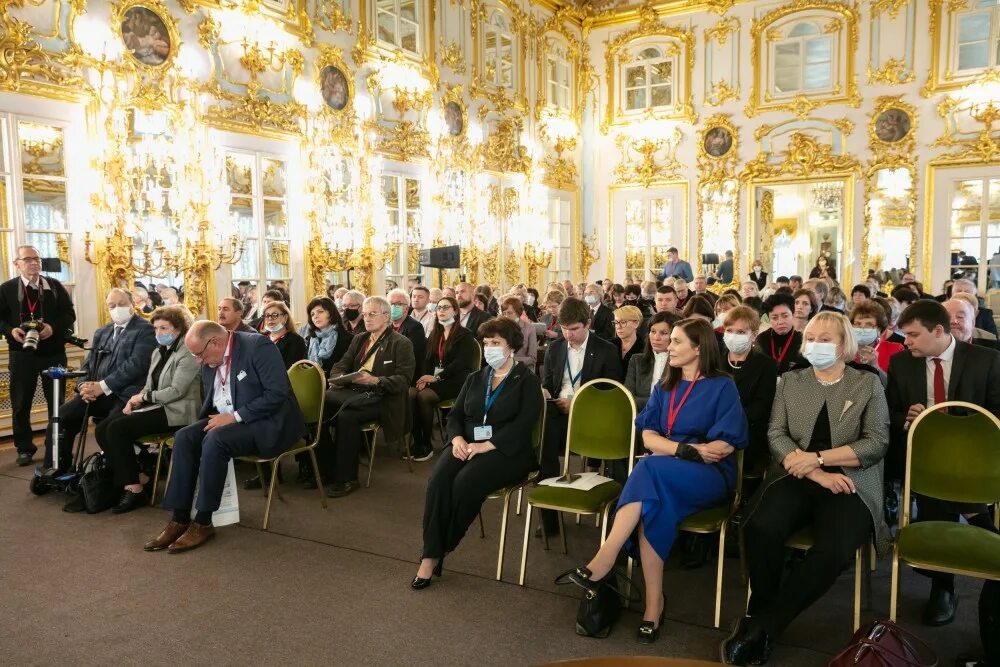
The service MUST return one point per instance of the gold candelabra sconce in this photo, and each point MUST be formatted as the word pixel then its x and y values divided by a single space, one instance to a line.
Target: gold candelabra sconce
pixel 279 253
pixel 985 108
pixel 536 257
pixel 589 254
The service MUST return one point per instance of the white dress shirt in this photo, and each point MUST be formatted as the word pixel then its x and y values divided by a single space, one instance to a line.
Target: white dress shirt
pixel 222 394
pixel 576 357
pixel 658 367
pixel 946 358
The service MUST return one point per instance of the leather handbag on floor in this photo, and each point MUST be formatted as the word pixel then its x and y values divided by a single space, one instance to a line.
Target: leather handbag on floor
pixel 885 644
pixel 600 606
pixel 96 484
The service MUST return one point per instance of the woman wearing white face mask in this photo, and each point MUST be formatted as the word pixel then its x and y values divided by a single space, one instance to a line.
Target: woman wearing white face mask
pixel 756 376
pixel 169 400
pixel 828 437
pixel 870 322
pixel 279 327
pixel 489 445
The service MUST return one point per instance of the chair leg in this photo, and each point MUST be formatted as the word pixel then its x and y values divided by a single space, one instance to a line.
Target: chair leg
pixel 482 528
pixel 562 533
pixel 866 585
pixel 605 516
pixel 520 492
pixel 741 542
pixel 524 547
pixel 156 473
pixel 718 575
pixel 319 480
pixel 406 448
pixel 370 438
pixel 270 492
pixel 440 416
pixel 858 557
pixel 503 534
pixel 894 586
pixel 545 537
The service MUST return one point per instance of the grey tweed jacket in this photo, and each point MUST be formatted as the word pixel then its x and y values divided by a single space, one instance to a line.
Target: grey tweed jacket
pixel 859 418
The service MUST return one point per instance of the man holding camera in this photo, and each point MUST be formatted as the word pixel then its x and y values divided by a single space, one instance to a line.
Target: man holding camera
pixel 36 314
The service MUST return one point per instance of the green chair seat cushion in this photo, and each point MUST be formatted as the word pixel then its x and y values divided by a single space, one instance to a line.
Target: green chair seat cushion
pixel 706 521
pixel 373 425
pixel 952 547
pixel 500 493
pixel 575 500
pixel 801 539
pixel 446 404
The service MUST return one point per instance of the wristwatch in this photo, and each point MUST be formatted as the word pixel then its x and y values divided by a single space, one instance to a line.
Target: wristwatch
pixel 819 459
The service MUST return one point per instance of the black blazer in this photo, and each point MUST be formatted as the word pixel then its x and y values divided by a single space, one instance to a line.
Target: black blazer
pixel 56 310
pixel 793 359
pixel 756 380
pixel 292 347
pixel 985 321
pixel 600 361
pixel 476 318
pixel 637 349
pixel 415 332
pixel 460 359
pixel 602 322
pixel 639 378
pixel 761 281
pixel 513 415
pixel 975 378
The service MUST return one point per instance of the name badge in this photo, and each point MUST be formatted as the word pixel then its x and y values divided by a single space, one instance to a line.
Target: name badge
pixel 438 370
pixel 482 433
pixel 241 375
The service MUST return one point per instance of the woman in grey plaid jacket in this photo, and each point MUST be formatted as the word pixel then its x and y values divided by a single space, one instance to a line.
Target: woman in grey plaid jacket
pixel 828 435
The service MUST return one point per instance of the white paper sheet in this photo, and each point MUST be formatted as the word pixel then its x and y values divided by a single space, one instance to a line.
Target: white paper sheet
pixel 584 481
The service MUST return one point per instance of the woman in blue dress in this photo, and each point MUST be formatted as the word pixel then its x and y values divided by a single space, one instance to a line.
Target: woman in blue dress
pixel 691 426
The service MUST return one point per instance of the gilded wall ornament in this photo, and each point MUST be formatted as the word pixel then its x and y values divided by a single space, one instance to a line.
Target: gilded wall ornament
pixel 975 145
pixel 893 127
pixel 646 159
pixel 718 185
pixel 147 31
pixel 502 150
pixel 452 57
pixel 804 157
pixel 892 71
pixel 26 67
pixel 549 35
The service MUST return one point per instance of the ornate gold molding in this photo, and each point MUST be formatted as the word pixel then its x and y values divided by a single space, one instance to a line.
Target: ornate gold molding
pixel 893 71
pixel 718 156
pixel 893 127
pixel 503 99
pixel 720 31
pixel 908 206
pixel 26 67
pixel 804 157
pixel 647 160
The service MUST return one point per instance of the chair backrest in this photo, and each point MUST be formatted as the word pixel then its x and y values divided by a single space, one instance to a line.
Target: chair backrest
pixel 309 386
pixel 538 433
pixel 601 422
pixel 479 360
pixel 953 457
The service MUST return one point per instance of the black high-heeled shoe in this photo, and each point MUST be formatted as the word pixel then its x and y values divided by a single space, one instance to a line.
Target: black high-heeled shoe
pixel 648 631
pixel 580 576
pixel 419 583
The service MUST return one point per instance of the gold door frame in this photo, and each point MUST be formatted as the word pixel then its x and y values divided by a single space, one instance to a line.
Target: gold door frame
pixel 685 211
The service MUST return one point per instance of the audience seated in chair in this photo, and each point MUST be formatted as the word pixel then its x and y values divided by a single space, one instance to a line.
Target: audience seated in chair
pixel 230 315
pixel 168 401
pixel 353 322
pixel 828 436
pixel 489 445
pixel 249 408
pixel 601 317
pixel 512 308
pixel 646 370
pixel 469 316
pixel 782 342
pixel 403 323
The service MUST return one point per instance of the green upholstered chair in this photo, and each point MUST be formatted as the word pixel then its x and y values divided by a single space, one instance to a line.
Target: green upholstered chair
pixel 309 386
pixel 715 520
pixel 601 426
pixel 955 458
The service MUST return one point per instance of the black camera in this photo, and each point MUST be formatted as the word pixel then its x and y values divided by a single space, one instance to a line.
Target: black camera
pixel 32 333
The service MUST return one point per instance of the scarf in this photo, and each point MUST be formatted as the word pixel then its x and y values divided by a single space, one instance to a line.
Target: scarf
pixel 321 344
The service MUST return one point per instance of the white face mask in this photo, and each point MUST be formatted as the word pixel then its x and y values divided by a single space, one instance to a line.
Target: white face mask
pixel 820 355
pixel 448 322
pixel 591 299
pixel 530 300
pixel 432 307
pixel 275 328
pixel 495 357
pixel 717 322
pixel 339 302
pixel 866 336
pixel 736 343
pixel 120 314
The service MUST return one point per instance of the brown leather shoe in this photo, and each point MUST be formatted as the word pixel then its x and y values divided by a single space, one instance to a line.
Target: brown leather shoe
pixel 166 537
pixel 195 536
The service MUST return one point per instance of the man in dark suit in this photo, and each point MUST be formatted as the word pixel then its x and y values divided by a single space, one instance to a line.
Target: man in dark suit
pixel 230 315
pixel 962 317
pixel 32 297
pixel 936 368
pixel 602 318
pixel 249 409
pixel 402 323
pixel 116 370
pixel 469 316
pixel 570 362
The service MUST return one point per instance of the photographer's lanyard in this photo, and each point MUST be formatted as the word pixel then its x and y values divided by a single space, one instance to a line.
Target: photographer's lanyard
pixel 671 412
pixel 491 394
pixel 32 307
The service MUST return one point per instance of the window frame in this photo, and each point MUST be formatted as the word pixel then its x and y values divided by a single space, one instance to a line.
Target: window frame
pixel 649 65
pixel 403 211
pixel 397 14
pixel 802 42
pixel 992 40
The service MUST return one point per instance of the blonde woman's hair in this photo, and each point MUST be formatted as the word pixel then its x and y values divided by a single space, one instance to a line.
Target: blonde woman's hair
pixel 843 325
pixel 628 313
pixel 745 313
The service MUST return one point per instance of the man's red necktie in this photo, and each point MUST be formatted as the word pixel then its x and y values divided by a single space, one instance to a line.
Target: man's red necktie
pixel 939 394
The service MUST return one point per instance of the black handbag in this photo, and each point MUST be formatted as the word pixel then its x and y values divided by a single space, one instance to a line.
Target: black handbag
pixel 601 604
pixel 96 484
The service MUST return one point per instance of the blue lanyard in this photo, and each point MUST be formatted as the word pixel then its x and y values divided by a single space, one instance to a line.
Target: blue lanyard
pixel 491 394
pixel 569 371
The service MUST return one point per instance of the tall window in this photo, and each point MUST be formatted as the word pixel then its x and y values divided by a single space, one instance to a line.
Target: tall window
pixel 259 207
pixel 398 23
pixel 975 231
pixel 498 49
pixel 558 77
pixel 402 202
pixel 560 216
pixel 648 223
pixel 977 40
pixel 803 61
pixel 649 80
pixel 35 179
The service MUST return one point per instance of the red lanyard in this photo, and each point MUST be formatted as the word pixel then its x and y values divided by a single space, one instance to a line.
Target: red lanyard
pixel 784 350
pixel 441 349
pixel 229 360
pixel 32 307
pixel 552 324
pixel 671 412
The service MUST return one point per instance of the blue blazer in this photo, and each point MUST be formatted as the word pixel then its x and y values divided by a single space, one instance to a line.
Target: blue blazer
pixel 130 356
pixel 261 392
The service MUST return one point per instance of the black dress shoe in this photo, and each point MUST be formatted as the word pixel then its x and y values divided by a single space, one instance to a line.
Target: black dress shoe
pixel 341 489
pixel 419 583
pixel 130 501
pixel 649 631
pixel 24 459
pixel 745 645
pixel 940 609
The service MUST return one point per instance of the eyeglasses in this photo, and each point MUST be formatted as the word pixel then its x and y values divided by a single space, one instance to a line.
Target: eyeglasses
pixel 621 323
pixel 374 314
pixel 29 260
pixel 201 354
pixel 445 308
pixel 273 316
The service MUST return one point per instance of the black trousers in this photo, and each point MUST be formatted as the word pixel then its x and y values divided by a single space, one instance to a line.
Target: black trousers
pixel 338 454
pixel 841 523
pixel 25 371
pixel 71 415
pixel 553 446
pixel 424 409
pixel 456 492
pixel 934 509
pixel 116 436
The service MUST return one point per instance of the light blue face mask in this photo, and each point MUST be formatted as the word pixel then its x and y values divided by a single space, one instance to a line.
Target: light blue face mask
pixel 165 339
pixel 432 307
pixel 396 312
pixel 590 299
pixel 494 356
pixel 866 336
pixel 820 355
